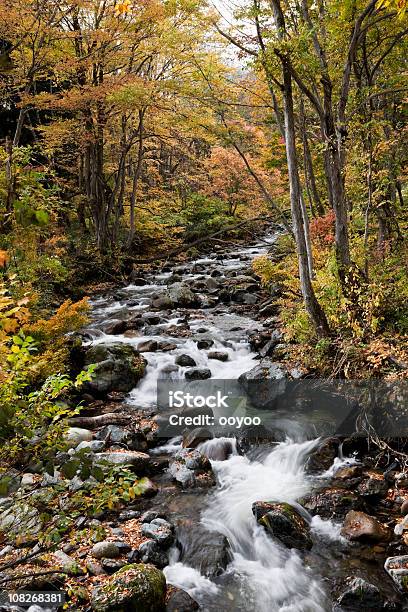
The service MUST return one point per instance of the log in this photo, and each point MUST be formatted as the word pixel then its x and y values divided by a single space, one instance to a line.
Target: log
pixel 91 422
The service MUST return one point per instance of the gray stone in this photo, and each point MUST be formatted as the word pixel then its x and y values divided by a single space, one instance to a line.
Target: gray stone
pixel 185 361
pixel 76 435
pixel 198 374
pixel 265 383
pixel 105 550
pixel 137 460
pixel 119 367
pixel 361 595
pixel 218 355
pixel 150 552
pixel 397 568
pixel 160 532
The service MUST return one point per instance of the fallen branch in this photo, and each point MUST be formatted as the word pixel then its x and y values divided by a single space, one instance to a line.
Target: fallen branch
pixel 91 422
pixel 31 575
pixel 187 246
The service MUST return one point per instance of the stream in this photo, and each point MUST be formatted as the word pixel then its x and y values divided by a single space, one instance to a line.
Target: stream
pixel 261 575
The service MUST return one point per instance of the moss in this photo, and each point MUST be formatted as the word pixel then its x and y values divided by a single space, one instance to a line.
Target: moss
pixel 134 588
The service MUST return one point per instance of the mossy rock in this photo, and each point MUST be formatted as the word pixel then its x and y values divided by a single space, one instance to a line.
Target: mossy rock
pixel 283 521
pixel 119 367
pixel 138 587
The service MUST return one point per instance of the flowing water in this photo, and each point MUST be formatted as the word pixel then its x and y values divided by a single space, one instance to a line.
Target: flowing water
pixel 263 575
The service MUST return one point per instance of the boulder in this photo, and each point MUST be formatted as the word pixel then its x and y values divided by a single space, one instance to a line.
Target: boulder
pixel 331 502
pixel 149 346
pixel 397 568
pixel 180 601
pixel 191 439
pixel 218 355
pixel 160 531
pixel 269 347
pixel 150 552
pixel 119 367
pixel 198 374
pixel 361 527
pixel 283 521
pixel 191 468
pixel 105 550
pixel 374 486
pixel 162 302
pixel 76 435
pixel 205 343
pixel 323 456
pixel 361 595
pixel 185 361
pixel 137 587
pixel 117 326
pixel 265 383
pixel 182 296
pixel 136 460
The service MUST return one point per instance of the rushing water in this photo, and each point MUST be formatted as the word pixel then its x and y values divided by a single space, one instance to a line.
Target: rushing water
pixel 263 575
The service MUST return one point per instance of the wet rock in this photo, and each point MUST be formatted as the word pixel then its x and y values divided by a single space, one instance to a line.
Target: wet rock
pixel 185 361
pixel 162 302
pixel 139 587
pixel 133 323
pixel 115 327
pixel 165 346
pixel 397 568
pixel 191 439
pixel 213 555
pixel 137 460
pixel 374 486
pixel 105 550
pixel 174 278
pixel 151 515
pixel 218 355
pixel 151 318
pixel 119 367
pixel 268 348
pixel 114 434
pixel 149 346
pixel 361 595
pixel 138 281
pixel 160 531
pixel 244 297
pixel 265 383
pixel 75 435
pixel 283 522
pixel 182 296
pixel 404 507
pixel 198 374
pixel 322 457
pixel 180 601
pixel 205 343
pixel 150 552
pixel 331 502
pixel 191 468
pixel 361 527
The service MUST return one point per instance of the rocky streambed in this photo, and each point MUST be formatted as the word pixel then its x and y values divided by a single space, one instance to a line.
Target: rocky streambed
pixel 228 523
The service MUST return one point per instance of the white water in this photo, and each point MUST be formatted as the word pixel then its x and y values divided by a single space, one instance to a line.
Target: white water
pixel 272 578
pixel 263 576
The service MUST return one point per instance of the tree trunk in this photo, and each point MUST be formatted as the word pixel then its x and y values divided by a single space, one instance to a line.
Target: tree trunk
pixel 312 305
